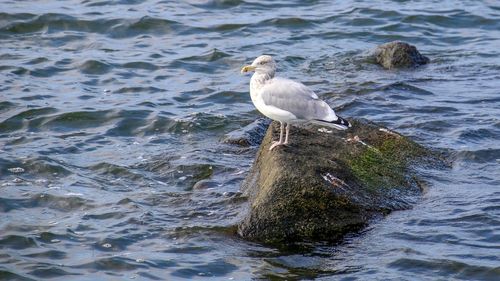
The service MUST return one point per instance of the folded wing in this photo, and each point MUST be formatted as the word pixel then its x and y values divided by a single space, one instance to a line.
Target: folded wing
pixel 297 99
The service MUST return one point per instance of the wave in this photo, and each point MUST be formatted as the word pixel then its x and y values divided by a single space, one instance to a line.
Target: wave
pixel 212 55
pixel 114 171
pixel 289 22
pixel 95 67
pixel 113 28
pixel 490 155
pixel 447 268
pixel 19 120
pixel 42 200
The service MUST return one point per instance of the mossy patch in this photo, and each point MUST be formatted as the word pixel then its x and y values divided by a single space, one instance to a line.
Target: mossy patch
pixel 385 165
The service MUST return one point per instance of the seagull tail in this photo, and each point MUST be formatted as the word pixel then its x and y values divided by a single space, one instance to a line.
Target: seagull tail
pixel 339 124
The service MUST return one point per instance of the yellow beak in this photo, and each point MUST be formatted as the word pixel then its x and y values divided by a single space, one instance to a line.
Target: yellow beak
pixel 247 68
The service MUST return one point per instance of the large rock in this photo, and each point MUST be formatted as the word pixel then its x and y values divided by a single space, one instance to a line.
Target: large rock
pixel 398 54
pixel 326 184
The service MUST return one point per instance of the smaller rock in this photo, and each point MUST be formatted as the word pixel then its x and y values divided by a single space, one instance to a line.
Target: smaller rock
pixel 398 54
pixel 250 135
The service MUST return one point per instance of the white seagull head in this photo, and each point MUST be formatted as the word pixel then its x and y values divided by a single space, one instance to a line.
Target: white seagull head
pixel 262 65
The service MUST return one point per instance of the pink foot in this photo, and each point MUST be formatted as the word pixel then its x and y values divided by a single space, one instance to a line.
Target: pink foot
pixel 275 144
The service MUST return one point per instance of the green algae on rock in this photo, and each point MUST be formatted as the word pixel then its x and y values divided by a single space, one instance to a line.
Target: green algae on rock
pixel 326 184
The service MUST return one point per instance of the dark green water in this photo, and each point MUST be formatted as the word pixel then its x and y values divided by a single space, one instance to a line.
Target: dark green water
pixel 111 111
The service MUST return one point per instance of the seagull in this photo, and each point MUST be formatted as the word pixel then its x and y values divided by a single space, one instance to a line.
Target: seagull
pixel 287 101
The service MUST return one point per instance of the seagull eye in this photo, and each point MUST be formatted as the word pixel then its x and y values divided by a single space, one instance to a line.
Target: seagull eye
pixel 262 62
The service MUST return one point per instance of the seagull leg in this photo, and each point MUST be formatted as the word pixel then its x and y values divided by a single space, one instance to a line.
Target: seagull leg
pixel 280 142
pixel 287 131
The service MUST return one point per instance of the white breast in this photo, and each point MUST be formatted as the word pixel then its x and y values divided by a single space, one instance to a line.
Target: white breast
pixel 256 84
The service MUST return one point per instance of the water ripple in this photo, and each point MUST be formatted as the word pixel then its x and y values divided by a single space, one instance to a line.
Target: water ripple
pixel 95 67
pixel 448 268
pixel 17 242
pixel 60 203
pixel 114 28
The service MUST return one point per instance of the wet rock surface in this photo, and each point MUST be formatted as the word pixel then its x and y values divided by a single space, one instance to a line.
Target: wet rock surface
pixel 327 183
pixel 398 54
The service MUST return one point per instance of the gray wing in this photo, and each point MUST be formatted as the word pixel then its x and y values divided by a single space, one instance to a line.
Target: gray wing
pixel 297 99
